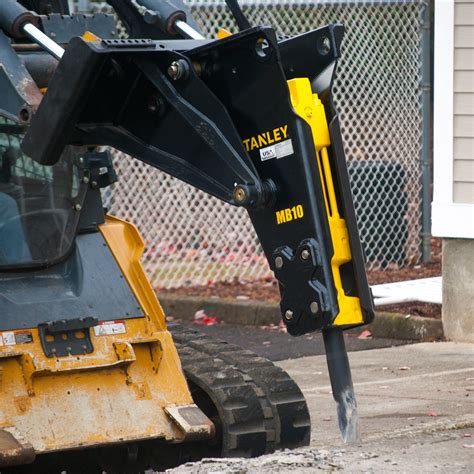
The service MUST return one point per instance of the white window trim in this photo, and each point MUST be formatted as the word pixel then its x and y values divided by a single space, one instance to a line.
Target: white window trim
pixel 449 219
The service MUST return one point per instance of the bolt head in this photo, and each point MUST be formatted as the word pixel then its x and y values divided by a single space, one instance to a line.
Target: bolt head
pixel 314 307
pixel 240 194
pixel 77 207
pixel 155 105
pixel 289 314
pixel 324 45
pixel 278 262
pixel 175 70
pixel 85 180
pixel 178 70
pixel 305 254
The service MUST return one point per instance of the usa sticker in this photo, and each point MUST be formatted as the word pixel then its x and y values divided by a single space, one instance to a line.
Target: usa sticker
pixel 279 150
pixel 267 153
pixel 108 328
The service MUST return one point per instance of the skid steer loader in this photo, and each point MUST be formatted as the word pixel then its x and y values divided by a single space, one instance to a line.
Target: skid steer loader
pixel 91 377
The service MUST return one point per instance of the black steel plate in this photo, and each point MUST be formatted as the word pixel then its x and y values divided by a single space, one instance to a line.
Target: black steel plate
pixel 88 284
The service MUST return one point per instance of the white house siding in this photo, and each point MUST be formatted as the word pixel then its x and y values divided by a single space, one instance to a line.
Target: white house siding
pixel 463 172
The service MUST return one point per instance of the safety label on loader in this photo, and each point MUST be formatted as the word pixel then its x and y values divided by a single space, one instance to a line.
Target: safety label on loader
pixel 107 328
pixel 12 338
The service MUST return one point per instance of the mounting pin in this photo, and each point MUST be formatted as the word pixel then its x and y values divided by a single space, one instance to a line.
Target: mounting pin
pixel 278 262
pixel 289 314
pixel 314 307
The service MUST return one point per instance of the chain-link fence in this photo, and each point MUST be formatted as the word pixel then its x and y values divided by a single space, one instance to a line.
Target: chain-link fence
pixel 192 238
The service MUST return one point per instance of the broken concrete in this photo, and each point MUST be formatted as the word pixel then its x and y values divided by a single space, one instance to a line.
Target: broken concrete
pixel 442 451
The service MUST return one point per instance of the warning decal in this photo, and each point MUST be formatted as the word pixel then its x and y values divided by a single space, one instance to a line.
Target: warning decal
pixel 107 328
pixel 11 338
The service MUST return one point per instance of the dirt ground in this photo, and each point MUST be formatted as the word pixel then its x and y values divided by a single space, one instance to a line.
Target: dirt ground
pixel 267 289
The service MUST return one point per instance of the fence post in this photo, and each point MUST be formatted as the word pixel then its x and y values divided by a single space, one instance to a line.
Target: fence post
pixel 427 129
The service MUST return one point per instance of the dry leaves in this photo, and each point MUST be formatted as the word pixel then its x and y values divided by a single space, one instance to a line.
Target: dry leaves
pixel 365 334
pixel 200 317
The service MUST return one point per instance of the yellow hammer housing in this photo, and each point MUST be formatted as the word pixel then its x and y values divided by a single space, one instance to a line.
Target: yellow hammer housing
pixel 309 107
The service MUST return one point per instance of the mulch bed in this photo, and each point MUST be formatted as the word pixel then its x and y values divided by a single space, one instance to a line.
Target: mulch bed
pixel 267 289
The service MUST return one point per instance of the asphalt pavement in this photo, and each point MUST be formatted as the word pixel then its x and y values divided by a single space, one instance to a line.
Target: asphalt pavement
pixel 277 345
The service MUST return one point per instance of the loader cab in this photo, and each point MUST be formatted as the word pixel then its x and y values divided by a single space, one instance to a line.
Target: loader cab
pixel 39 205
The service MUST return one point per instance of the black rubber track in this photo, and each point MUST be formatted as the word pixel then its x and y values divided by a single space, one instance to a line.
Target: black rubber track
pixel 261 407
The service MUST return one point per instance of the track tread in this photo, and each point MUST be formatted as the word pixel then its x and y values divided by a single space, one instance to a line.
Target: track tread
pixel 272 406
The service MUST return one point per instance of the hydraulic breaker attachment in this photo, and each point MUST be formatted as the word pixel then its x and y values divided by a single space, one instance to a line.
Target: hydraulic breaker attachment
pixel 341 384
pixel 249 119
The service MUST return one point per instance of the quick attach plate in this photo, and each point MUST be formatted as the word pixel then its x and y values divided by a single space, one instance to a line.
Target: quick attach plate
pixel 67 337
pixel 62 28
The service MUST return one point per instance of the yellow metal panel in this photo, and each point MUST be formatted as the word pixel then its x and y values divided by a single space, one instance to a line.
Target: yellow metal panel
pixel 117 393
pixel 127 247
pixel 309 107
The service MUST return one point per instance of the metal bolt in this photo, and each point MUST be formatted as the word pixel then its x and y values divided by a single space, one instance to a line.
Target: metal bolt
pixel 155 105
pixel 94 184
pixel 305 254
pixel 278 262
pixel 314 307
pixel 289 314
pixel 239 194
pixel 77 207
pixel 173 70
pixel 324 45
pixel 178 69
pixel 85 180
pixel 81 160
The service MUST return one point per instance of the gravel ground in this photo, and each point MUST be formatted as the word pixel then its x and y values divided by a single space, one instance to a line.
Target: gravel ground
pixel 443 451
pixel 301 460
